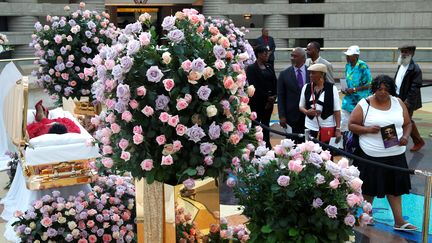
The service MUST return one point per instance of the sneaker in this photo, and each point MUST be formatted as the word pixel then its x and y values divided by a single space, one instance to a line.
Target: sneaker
pixel 417 146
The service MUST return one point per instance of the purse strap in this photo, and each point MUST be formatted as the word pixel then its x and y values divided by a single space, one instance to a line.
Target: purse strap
pixel 367 111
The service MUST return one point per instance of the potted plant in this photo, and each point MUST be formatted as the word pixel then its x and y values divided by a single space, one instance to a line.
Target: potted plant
pixel 296 193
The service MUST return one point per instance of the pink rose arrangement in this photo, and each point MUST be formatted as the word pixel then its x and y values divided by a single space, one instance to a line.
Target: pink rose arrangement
pixel 66 46
pixel 106 214
pixel 306 196
pixel 188 97
pixel 188 232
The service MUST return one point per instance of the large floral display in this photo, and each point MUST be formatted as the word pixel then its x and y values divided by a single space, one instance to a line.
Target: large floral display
pixel 106 214
pixel 177 111
pixel 66 46
pixel 303 195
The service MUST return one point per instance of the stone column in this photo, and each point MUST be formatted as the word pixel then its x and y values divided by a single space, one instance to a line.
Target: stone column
pixel 276 21
pixel 214 8
pixel 99 5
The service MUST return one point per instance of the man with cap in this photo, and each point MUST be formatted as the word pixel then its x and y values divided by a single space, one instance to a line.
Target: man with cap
pixel 358 78
pixel 289 86
pixel 319 101
pixel 408 80
pixel 313 51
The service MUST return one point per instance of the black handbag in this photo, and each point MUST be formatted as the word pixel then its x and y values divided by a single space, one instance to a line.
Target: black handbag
pixel 351 140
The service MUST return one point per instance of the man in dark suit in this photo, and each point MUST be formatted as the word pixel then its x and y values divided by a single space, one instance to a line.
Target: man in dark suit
pixel 290 83
pixel 267 41
pixel 409 80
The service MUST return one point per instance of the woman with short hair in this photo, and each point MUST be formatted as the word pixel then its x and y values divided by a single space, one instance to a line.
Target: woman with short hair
pixel 369 120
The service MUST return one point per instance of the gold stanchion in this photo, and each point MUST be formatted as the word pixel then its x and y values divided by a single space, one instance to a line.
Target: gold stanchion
pixel 427 195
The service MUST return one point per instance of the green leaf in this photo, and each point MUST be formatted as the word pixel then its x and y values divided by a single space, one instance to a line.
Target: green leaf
pixel 150 177
pixel 310 238
pixel 266 229
pixel 293 232
pixel 331 235
pixel 191 172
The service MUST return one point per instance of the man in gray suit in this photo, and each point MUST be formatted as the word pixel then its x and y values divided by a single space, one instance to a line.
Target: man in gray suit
pixel 289 86
pixel 313 51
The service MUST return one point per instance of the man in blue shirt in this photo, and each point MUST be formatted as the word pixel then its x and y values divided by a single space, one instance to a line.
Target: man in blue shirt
pixel 358 80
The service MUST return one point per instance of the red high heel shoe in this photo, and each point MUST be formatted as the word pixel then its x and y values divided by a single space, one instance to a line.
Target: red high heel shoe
pixel 46 111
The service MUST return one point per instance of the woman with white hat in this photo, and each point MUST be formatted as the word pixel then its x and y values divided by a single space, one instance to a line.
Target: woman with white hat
pixel 319 101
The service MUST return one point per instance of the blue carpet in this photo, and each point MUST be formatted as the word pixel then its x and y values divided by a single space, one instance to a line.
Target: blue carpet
pixel 412 210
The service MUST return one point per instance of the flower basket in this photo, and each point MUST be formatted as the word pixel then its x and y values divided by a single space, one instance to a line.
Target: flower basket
pixel 304 196
pixel 65 47
pixel 6 54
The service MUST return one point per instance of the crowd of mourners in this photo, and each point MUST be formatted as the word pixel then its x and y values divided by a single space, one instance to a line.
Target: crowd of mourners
pixel 378 110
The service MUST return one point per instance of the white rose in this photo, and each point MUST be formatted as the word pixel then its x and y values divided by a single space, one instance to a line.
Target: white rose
pixel 143 17
pixel 72 225
pixel 166 57
pixel 32 225
pixel 211 111
pixel 61 220
pixel 250 90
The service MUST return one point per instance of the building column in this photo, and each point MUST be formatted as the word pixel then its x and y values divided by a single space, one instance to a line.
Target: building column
pixel 214 8
pixel 276 21
pixel 99 5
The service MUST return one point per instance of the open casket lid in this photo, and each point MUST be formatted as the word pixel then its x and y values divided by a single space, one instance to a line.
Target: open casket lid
pixel 12 110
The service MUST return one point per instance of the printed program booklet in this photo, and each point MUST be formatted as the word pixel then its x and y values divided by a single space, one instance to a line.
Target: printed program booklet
pixel 389 136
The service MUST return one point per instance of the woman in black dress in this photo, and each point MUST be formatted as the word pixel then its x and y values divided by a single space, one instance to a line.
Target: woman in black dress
pixel 263 78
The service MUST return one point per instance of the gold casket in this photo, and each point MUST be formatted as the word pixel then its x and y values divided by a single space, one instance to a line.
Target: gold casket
pixel 50 166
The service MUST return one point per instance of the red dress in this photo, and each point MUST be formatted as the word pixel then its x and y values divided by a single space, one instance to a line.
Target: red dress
pixel 42 127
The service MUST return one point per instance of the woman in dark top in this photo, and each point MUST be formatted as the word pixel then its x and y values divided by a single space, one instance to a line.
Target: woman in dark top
pixel 263 78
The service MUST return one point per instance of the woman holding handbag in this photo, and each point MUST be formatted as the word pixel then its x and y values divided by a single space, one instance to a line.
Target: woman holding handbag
pixel 319 101
pixel 371 120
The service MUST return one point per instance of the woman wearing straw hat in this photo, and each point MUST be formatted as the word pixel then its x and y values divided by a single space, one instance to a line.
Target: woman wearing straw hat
pixel 319 101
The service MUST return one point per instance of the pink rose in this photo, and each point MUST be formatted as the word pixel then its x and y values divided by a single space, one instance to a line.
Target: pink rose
pixel 144 38
pixel 325 155
pixel 356 184
pixel 90 223
pixel 167 160
pixel 353 200
pixel 236 67
pixel 208 73
pixel 231 182
pixel 88 72
pixel 161 139
pixel 349 220
pixel 219 64
pixel 189 183
pixel 110 103
pixel 334 183
pixel 126 116
pixel 107 150
pixel 227 127
pixel 123 144
pixel 177 145
pixel 181 104
pixel 65 76
pixel 213 30
pixel 229 82
pixel 115 128
pixel 133 104
pixel 343 163
pixel 107 162
pixel 110 118
pixel 253 116
pixel 234 138
pixel 173 121
pixel 283 180
pixel 208 160
pixel 186 65
pixel 295 166
pixel 137 130
pixel 125 156
pixel 82 240
pixel 138 138
pixel 193 77
pixel 181 129
pixel 367 207
pixel 168 84
pixel 164 117
pixel 241 127
pixel 141 91
pixel 46 222
pixel 109 64
pixel 92 238
pixel 188 98
pixel 148 111
pixel 309 146
pixel 147 164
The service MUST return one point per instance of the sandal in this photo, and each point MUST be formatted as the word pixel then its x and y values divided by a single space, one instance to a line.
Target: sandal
pixel 39 103
pixel 405 227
